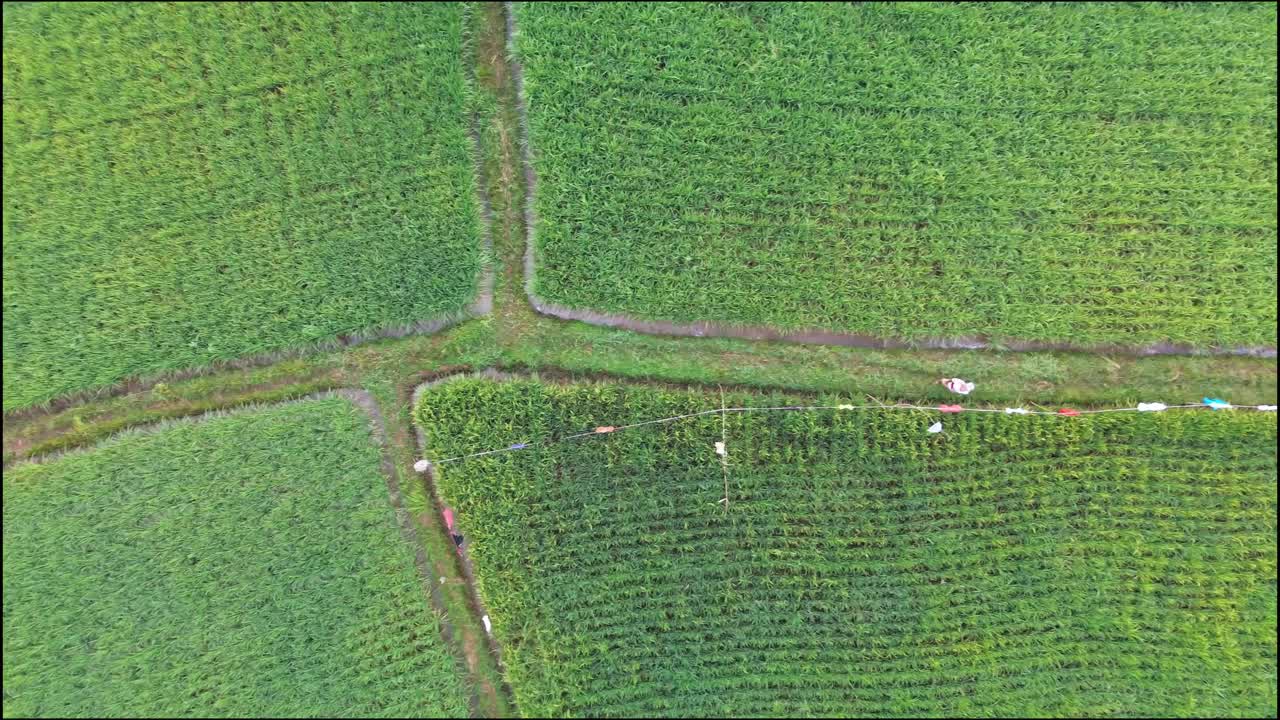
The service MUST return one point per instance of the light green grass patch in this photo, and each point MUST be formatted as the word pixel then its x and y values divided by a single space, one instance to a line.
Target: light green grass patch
pixel 1077 173
pixel 184 185
pixel 1010 566
pixel 246 565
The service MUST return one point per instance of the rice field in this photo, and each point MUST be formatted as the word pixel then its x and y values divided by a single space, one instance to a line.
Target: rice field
pixel 1083 173
pixel 245 565
pixel 232 188
pixel 186 186
pixel 1009 566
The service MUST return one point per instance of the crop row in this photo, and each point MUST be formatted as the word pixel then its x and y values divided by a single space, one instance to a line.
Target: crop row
pixel 241 565
pixel 1092 175
pixel 183 187
pixel 1011 566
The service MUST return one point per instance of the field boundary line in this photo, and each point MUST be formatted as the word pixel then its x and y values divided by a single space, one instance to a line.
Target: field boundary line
pixel 365 401
pixel 483 303
pixel 479 307
pixel 809 336
pixel 161 424
pixel 722 411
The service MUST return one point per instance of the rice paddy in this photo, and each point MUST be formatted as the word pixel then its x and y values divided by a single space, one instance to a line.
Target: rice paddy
pixel 246 565
pixel 1082 173
pixel 1008 566
pixel 186 186
pixel 206 204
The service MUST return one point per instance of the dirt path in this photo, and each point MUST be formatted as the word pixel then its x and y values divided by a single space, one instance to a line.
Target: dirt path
pixel 482 305
pixel 426 574
pixel 51 430
pixel 825 337
pixel 479 651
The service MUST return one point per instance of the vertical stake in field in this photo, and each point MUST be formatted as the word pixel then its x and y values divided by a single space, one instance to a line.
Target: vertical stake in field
pixel 722 449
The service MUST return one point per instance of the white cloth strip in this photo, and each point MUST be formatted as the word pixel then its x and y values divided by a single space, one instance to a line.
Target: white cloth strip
pixel 1142 407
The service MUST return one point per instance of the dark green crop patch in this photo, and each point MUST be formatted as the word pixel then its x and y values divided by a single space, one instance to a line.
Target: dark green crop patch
pixel 183 186
pixel 1079 173
pixel 247 565
pixel 1010 566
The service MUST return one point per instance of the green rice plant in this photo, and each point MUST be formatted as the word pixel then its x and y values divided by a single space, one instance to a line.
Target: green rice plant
pixel 192 184
pixel 1083 173
pixel 244 565
pixel 1115 564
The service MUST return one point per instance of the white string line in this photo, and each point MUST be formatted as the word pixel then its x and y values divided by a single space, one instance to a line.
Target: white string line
pixel 798 408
